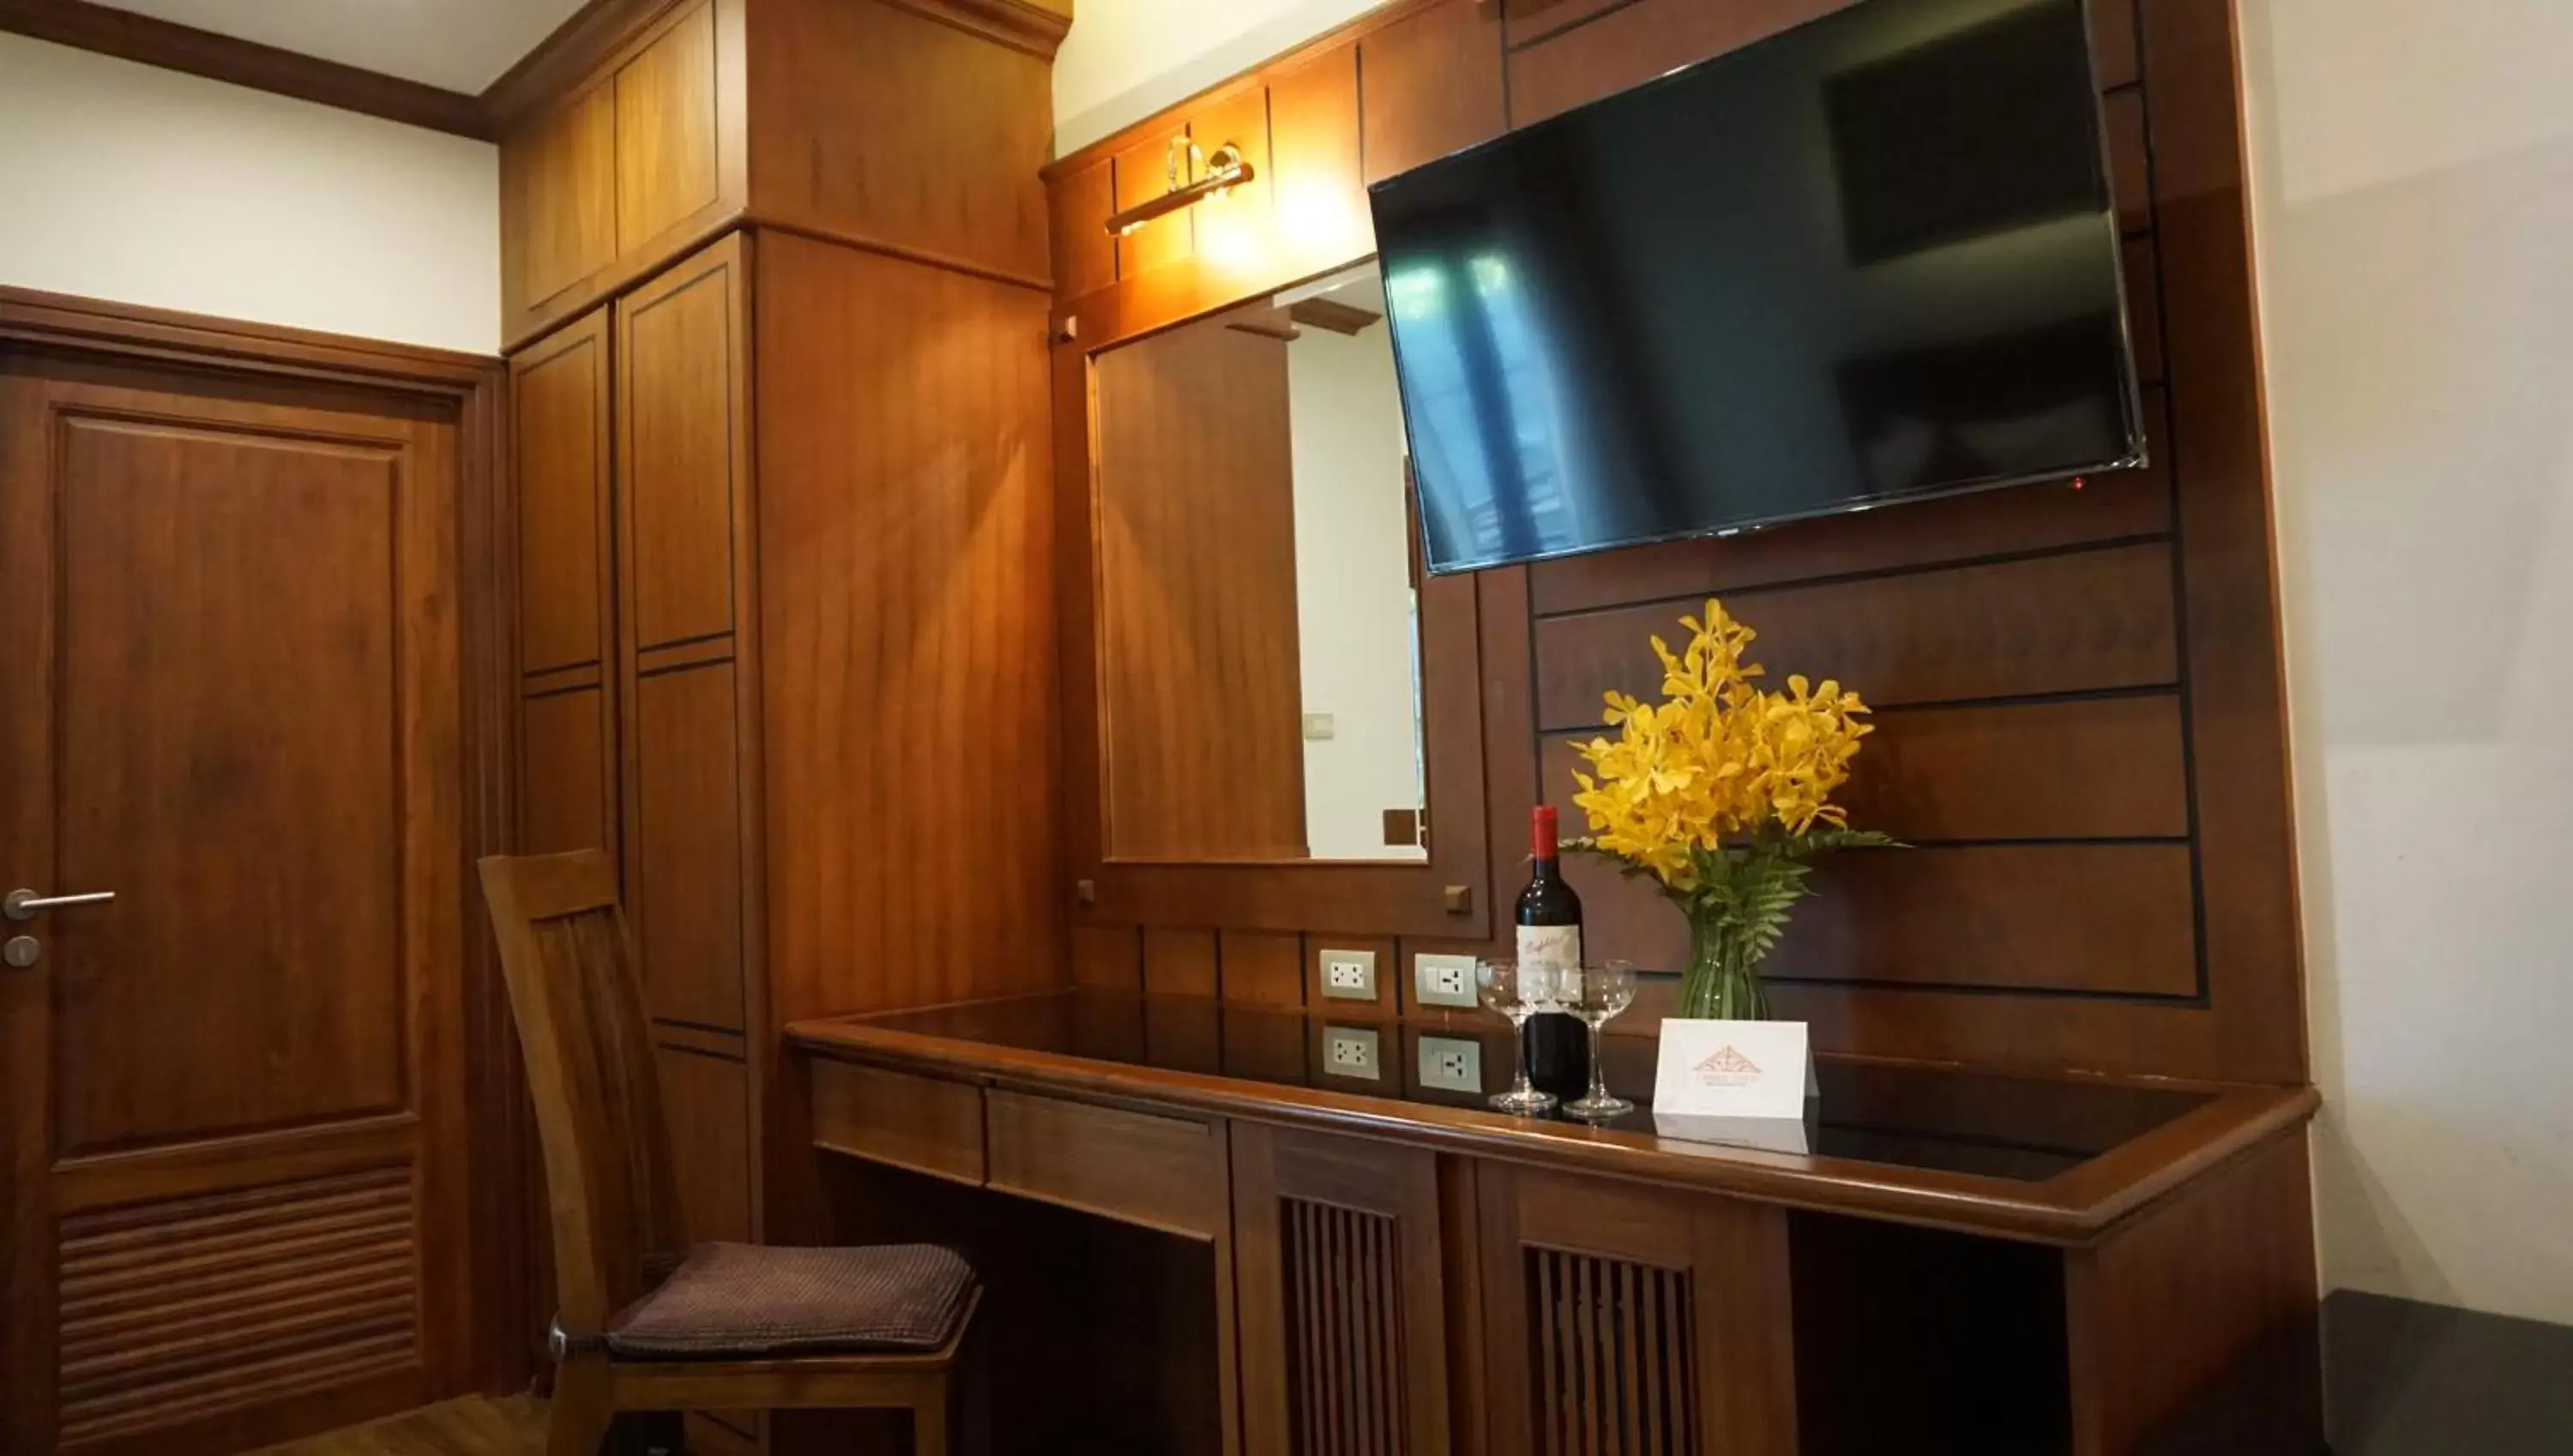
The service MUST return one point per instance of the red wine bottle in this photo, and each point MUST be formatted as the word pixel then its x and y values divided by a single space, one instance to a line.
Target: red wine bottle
pixel 1549 916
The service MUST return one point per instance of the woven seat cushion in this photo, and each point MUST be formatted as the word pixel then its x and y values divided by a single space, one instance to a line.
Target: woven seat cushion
pixel 738 1301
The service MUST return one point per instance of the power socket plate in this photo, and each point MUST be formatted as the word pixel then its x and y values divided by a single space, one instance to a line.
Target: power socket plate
pixel 1348 975
pixel 1451 1064
pixel 1443 979
pixel 1353 1051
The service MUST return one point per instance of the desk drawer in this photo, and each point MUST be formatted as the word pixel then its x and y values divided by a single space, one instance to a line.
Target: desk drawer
pixel 924 1123
pixel 1167 1173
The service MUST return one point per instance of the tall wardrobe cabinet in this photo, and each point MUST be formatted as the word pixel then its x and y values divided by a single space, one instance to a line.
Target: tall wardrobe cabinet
pixel 779 309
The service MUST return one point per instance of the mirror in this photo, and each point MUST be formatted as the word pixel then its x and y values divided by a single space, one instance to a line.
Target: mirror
pixel 1257 584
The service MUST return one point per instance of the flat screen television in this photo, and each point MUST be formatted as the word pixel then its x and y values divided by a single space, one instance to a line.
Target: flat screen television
pixel 1871 259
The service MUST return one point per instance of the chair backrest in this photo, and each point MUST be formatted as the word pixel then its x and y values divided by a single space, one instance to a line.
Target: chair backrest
pixel 568 958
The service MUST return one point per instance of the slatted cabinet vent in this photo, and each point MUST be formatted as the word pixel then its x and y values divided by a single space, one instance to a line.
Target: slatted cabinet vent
pixel 1343 1279
pixel 1611 1353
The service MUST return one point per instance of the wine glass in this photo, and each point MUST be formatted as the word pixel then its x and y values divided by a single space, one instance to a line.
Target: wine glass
pixel 1505 988
pixel 1601 993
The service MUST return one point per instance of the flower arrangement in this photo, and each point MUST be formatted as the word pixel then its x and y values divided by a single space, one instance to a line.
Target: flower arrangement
pixel 1721 793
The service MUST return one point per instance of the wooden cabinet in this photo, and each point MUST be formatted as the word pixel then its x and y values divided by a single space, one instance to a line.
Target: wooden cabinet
pixel 1344 1325
pixel 917 127
pixel 1623 1321
pixel 642 159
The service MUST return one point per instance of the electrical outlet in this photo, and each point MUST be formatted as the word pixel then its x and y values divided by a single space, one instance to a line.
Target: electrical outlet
pixel 1351 1051
pixel 1349 974
pixel 1443 979
pixel 1451 1064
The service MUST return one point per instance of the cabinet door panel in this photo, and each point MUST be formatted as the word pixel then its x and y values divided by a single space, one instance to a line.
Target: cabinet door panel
pixel 1343 1315
pixel 707 1102
pixel 685 810
pixel 560 176
pixel 679 398
pixel 566 788
pixel 1432 86
pixel 559 393
pixel 1634 1321
pixel 1627 47
pixel 667 131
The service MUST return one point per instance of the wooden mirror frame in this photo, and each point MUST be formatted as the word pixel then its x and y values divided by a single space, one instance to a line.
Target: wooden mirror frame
pixel 1447 897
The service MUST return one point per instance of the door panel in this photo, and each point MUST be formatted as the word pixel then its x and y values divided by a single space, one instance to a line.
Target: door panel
pixel 251 788
pixel 686 888
pixel 230 1098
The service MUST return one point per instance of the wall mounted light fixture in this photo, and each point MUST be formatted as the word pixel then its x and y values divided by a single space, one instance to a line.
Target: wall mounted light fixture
pixel 1219 173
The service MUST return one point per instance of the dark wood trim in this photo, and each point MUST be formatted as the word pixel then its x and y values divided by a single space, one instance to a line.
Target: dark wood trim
pixel 501 1158
pixel 173 47
pixel 2078 1207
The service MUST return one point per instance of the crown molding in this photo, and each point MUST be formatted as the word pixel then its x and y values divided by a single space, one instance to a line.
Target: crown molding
pixel 172 47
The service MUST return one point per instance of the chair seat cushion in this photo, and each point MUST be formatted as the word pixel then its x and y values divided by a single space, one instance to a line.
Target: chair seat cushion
pixel 740 1301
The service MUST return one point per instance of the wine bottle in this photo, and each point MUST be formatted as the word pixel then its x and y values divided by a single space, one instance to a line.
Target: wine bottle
pixel 1549 916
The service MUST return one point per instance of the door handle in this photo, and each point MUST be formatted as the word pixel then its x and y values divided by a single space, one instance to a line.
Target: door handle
pixel 23 903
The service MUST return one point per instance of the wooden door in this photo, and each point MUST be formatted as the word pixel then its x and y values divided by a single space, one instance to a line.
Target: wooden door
pixel 1344 1325
pixel 566 592
pixel 231 1101
pixel 1623 1321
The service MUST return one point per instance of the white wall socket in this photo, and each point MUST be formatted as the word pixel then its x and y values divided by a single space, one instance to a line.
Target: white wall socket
pixel 1443 979
pixel 1349 974
pixel 1451 1064
pixel 1351 1051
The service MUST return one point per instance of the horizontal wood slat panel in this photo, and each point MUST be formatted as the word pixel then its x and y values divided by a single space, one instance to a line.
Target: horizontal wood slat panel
pixel 2100 918
pixel 2112 506
pixel 2098 768
pixel 196 1305
pixel 2078 622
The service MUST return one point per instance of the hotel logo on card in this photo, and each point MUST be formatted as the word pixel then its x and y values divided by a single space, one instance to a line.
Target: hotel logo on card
pixel 1726 1067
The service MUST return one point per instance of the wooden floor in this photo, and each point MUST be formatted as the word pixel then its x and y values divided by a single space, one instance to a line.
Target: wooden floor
pixel 478 1425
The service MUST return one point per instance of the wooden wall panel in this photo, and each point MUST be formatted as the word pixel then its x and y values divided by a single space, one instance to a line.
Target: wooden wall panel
pixel 1202 713
pixel 562 176
pixel 1433 82
pixel 907 582
pixel 1085 256
pixel 2097 918
pixel 1262 968
pixel 2082 722
pixel 899 129
pixel 1630 46
pixel 1323 218
pixel 2082 768
pixel 2081 622
pixel 1144 172
pixel 1178 961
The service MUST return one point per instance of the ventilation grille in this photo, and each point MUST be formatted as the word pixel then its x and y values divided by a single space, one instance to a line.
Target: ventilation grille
pixel 1610 1351
pixel 177 1311
pixel 1343 1331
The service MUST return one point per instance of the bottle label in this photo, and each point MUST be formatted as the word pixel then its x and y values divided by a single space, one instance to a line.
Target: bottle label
pixel 1550 961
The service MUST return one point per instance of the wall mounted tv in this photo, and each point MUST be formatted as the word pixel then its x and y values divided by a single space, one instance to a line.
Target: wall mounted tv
pixel 1871 259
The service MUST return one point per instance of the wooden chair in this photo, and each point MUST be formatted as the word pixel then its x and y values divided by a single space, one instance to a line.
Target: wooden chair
pixel 729 1327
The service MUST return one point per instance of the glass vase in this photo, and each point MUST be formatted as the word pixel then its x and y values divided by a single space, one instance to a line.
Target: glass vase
pixel 1723 981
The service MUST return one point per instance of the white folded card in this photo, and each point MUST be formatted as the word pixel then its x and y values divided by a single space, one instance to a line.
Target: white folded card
pixel 1736 1081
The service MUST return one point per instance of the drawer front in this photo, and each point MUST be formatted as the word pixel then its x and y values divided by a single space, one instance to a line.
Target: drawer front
pixel 923 1123
pixel 1165 1172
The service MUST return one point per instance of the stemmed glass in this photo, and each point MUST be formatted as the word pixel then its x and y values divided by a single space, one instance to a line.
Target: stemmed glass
pixel 1518 995
pixel 1597 997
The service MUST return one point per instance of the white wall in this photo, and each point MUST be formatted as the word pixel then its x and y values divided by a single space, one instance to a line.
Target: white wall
pixel 1355 619
pixel 143 186
pixel 1127 59
pixel 2413 176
